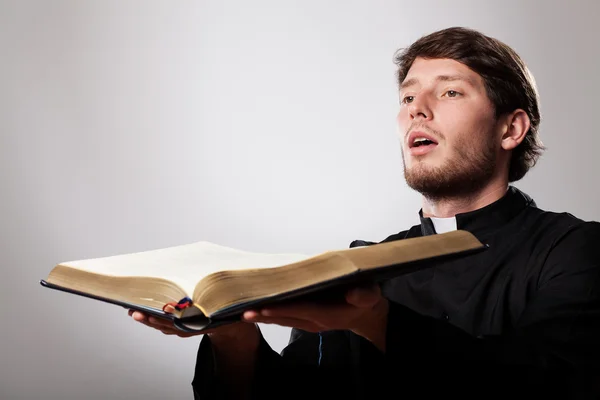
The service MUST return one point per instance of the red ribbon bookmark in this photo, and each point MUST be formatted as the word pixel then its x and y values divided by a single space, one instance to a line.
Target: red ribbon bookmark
pixel 180 305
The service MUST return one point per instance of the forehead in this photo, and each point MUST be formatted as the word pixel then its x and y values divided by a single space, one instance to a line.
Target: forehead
pixel 423 70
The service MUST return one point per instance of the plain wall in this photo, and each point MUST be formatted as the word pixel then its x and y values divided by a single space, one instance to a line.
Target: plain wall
pixel 262 125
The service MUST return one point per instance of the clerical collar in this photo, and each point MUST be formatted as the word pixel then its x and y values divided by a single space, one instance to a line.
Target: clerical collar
pixel 484 219
pixel 443 225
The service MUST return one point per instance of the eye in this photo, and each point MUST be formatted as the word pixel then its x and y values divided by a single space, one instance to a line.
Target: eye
pixel 408 99
pixel 452 93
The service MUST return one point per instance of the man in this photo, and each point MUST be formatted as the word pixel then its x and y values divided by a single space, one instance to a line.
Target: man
pixel 521 318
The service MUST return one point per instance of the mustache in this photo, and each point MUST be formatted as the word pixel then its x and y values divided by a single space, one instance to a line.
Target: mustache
pixel 421 126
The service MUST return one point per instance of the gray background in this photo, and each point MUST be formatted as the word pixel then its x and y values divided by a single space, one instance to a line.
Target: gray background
pixel 263 125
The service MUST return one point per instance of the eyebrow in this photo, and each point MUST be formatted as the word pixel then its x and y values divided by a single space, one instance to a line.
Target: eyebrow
pixel 439 78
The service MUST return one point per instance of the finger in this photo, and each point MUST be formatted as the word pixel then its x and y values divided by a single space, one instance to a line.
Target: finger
pixel 322 315
pixel 250 315
pixel 305 325
pixel 303 310
pixel 165 329
pixel 138 316
pixel 160 321
pixel 364 297
pixel 148 320
pixel 169 309
pixel 160 324
pixel 145 322
pixel 171 331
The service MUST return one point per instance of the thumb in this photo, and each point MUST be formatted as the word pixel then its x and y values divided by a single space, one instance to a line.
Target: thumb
pixel 169 309
pixel 365 296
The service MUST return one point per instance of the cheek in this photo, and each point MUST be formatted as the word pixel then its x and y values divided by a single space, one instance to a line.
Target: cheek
pixel 468 123
pixel 454 117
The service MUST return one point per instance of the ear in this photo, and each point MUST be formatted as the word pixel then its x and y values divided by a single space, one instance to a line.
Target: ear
pixel 515 129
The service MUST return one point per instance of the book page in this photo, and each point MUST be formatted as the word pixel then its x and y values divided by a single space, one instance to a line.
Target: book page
pixel 185 265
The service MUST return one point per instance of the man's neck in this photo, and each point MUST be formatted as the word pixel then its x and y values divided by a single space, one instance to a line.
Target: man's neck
pixel 449 207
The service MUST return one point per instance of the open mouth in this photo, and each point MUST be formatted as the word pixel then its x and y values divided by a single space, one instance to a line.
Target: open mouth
pixel 421 143
pixel 418 142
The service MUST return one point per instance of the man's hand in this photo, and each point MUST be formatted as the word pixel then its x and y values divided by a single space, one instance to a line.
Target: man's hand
pixel 364 312
pixel 162 324
pixel 166 326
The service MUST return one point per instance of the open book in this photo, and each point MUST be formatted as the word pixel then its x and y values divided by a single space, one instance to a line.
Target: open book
pixel 211 285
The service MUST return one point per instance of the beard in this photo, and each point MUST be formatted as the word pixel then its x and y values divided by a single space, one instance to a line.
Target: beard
pixel 470 168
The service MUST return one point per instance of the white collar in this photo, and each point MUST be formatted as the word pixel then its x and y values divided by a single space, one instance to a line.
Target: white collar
pixel 443 225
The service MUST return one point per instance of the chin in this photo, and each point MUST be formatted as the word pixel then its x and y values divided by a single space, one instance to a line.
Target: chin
pixel 418 172
pixel 422 165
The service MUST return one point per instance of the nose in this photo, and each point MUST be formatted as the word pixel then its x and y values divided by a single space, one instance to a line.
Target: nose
pixel 419 108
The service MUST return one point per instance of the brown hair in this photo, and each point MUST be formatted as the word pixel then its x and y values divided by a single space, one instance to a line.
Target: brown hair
pixel 508 82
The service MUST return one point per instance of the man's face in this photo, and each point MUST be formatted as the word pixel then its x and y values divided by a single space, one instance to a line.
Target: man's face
pixel 448 129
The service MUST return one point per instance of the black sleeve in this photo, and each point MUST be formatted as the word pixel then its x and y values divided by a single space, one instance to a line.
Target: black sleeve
pixel 555 346
pixel 207 385
pixel 301 371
